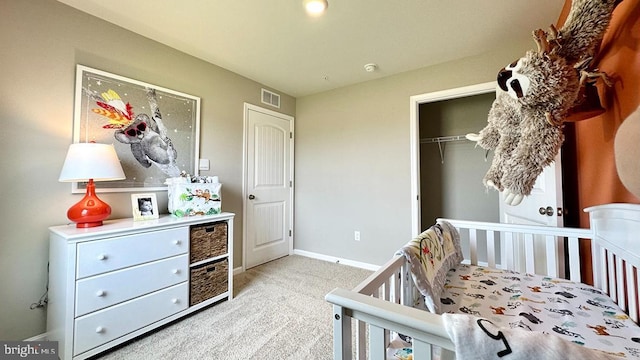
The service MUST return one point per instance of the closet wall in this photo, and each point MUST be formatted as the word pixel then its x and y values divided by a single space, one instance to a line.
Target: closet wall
pixel 451 184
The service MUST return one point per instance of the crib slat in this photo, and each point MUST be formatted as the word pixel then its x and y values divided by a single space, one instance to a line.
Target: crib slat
pixel 631 293
pixel 397 289
pixel 611 280
pixel 341 334
pixel 386 288
pixel 530 264
pixel 361 340
pixel 377 350
pixel 491 248
pixel 552 256
pixel 574 260
pixel 619 276
pixel 508 237
pixel 473 245
pixel 421 350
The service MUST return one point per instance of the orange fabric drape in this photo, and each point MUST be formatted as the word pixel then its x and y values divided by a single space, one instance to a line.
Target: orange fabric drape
pixel 619 57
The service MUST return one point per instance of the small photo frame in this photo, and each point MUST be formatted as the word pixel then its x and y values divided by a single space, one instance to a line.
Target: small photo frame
pixel 144 206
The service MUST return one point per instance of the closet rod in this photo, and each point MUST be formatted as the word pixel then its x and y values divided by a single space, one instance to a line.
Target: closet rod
pixel 442 139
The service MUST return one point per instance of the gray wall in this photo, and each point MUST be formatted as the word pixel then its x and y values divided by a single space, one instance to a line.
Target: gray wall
pixel 42 41
pixel 353 158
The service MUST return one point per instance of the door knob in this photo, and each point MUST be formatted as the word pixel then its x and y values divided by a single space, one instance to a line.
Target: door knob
pixel 546 211
pixel 251 197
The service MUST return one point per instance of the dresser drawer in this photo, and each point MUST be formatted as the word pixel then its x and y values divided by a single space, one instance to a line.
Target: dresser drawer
pixel 100 256
pixel 100 291
pixel 105 325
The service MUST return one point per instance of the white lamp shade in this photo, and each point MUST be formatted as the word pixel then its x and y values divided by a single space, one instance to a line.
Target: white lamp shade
pixel 95 161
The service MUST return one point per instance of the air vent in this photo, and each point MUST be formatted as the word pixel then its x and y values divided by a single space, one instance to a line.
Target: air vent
pixel 270 98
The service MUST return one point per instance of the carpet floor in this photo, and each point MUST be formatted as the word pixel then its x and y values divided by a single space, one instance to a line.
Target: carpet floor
pixel 278 312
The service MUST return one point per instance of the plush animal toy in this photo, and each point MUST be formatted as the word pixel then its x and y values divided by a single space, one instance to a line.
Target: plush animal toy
pixel 534 96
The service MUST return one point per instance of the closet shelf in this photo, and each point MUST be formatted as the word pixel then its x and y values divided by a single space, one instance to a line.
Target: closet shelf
pixel 442 139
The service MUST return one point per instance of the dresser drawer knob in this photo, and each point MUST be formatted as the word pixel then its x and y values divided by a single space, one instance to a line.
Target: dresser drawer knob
pixel 99 330
pixel 177 242
pixel 102 257
pixel 176 271
pixel 175 301
pixel 100 293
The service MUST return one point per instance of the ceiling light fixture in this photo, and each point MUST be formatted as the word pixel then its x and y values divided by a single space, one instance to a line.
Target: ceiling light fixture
pixel 315 7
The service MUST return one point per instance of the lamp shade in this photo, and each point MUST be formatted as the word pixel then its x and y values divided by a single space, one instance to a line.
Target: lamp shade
pixel 95 161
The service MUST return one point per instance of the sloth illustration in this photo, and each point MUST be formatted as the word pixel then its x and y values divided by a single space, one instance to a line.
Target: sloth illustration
pixel 146 143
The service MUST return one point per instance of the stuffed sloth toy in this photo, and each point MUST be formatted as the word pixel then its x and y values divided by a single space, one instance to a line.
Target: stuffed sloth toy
pixel 534 96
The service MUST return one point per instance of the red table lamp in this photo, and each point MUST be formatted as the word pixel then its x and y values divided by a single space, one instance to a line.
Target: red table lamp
pixel 90 162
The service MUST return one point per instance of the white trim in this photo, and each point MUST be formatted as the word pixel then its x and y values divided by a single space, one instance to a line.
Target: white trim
pixel 414 131
pixel 337 260
pixel 39 337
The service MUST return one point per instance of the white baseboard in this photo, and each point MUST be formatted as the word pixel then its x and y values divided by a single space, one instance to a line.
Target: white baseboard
pixel 333 259
pixel 40 337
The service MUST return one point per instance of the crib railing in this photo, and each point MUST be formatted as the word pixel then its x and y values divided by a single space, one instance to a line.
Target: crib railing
pixel 537 244
pixel 365 318
pixel 615 254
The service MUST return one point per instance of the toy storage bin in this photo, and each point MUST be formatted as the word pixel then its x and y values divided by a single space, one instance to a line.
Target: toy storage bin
pixel 189 199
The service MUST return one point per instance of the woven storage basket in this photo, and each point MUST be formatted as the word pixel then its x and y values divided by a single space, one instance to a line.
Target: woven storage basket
pixel 209 280
pixel 207 241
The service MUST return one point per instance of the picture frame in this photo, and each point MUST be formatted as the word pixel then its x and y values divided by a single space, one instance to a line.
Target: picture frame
pixel 155 130
pixel 144 206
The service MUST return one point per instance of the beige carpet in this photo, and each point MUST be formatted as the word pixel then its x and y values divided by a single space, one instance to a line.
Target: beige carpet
pixel 278 312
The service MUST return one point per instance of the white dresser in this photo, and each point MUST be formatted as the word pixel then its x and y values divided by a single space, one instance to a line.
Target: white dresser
pixel 111 283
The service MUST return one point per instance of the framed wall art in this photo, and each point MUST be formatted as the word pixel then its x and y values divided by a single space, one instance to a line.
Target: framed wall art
pixel 155 130
pixel 144 206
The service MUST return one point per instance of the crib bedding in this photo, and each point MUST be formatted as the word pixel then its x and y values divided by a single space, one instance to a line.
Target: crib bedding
pixel 573 311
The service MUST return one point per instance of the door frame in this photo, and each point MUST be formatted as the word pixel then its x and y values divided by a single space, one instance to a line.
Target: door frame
pixel 245 144
pixel 414 112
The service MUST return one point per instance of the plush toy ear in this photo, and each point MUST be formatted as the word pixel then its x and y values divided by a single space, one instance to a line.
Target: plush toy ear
pixel 627 152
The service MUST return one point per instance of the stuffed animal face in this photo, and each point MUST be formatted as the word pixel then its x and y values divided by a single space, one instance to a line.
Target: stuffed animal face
pixel 511 80
pixel 542 80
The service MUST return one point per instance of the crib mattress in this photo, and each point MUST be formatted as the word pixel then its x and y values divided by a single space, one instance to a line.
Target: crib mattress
pixel 573 311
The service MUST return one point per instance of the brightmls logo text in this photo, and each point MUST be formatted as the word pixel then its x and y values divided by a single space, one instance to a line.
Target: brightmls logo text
pixel 41 350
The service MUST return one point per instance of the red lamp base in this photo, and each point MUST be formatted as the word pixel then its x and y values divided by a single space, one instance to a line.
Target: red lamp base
pixel 90 211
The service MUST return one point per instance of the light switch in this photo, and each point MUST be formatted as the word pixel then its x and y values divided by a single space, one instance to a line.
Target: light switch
pixel 204 164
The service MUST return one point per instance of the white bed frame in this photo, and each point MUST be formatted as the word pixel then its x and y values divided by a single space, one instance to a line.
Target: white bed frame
pixel 365 317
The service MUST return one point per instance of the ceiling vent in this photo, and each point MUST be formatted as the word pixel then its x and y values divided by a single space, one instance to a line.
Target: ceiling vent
pixel 270 98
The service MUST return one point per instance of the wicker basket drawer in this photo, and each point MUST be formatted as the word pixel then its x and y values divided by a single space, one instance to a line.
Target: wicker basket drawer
pixel 207 241
pixel 209 280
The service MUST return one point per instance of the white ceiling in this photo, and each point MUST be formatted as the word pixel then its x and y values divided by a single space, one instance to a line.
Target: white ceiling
pixel 275 43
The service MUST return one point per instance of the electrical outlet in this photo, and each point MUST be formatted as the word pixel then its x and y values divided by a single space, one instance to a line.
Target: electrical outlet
pixel 356 235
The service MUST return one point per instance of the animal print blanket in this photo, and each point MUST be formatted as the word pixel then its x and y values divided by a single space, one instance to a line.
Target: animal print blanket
pixel 503 303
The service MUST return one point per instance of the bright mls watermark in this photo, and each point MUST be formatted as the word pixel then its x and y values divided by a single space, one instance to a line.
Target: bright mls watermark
pixel 40 350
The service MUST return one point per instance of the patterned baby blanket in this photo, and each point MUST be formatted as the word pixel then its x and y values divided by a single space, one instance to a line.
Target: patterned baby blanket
pixel 510 315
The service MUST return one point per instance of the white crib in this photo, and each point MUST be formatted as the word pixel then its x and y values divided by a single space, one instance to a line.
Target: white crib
pixel 366 317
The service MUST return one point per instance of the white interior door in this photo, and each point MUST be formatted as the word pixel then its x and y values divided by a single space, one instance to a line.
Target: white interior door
pixel 268 186
pixel 542 207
